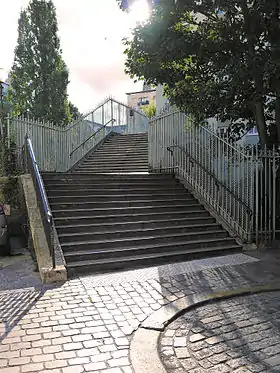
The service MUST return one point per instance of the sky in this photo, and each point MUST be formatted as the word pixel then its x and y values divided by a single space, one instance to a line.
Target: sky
pixel 90 33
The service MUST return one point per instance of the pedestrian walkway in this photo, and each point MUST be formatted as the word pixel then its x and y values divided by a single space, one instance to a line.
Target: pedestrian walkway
pixel 240 335
pixel 88 323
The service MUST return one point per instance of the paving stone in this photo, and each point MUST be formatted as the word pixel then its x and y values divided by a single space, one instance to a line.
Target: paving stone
pixel 31 351
pixel 100 357
pixel 180 342
pixel 42 358
pixel 92 367
pixel 227 346
pixel 121 307
pixel 196 337
pixel 65 355
pixel 11 370
pixel 73 369
pixel 182 353
pixel 56 364
pixel 33 367
pixel 79 361
pixel 123 361
pixel 121 341
pixel 19 361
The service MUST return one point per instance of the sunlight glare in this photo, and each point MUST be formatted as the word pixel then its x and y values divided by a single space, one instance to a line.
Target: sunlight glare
pixel 139 11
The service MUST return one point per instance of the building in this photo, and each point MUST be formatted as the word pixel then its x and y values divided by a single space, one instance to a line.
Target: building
pixel 137 100
pixel 162 103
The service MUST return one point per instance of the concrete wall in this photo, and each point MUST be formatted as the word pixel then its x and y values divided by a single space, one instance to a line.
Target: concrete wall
pixel 161 101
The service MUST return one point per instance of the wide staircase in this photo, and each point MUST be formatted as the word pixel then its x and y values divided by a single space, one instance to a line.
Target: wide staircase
pixel 110 213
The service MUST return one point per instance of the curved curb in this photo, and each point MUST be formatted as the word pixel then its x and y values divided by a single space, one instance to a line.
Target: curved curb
pixel 144 346
pixel 144 352
pixel 159 319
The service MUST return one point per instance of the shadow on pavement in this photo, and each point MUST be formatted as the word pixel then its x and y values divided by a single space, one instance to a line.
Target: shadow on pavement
pixel 249 326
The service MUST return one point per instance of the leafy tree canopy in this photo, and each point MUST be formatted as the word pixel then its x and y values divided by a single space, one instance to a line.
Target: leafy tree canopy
pixel 149 110
pixel 39 76
pixel 74 111
pixel 215 58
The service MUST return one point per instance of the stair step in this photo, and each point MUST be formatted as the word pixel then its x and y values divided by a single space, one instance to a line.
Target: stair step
pixel 124 177
pixel 119 199
pixel 147 259
pixel 101 219
pixel 142 232
pixel 137 225
pixel 124 143
pixel 121 203
pixel 127 164
pixel 150 248
pixel 111 192
pixel 113 168
pixel 114 159
pixel 131 210
pixel 98 154
pixel 120 186
pixel 125 148
pixel 134 241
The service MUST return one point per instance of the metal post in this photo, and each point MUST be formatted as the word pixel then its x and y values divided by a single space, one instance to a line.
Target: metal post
pixel 2 110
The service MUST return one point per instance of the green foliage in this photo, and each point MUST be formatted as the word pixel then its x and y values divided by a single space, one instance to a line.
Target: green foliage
pixel 226 65
pixel 74 111
pixel 11 192
pixel 39 76
pixel 150 110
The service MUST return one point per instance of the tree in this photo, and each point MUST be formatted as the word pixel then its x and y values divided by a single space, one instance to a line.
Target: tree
pixel 215 58
pixel 39 76
pixel 74 111
pixel 150 110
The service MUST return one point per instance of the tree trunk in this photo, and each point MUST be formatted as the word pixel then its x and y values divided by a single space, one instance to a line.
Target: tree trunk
pixel 261 124
pixel 277 118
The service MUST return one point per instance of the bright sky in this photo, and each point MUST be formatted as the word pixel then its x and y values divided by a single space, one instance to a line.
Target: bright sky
pixel 90 32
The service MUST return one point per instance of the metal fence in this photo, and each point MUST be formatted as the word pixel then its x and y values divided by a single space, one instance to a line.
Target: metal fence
pixel 239 185
pixel 54 146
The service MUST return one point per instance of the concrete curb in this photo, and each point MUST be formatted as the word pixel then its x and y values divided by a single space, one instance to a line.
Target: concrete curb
pixel 38 238
pixel 144 352
pixel 144 346
pixel 159 319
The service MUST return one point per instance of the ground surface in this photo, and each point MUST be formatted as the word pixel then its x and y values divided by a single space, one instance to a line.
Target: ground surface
pixel 86 324
pixel 237 335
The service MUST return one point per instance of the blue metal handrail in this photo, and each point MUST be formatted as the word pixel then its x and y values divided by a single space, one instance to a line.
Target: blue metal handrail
pixel 46 214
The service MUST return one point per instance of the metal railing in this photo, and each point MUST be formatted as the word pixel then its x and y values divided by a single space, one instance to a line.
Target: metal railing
pixel 42 200
pixel 93 136
pixel 240 185
pixel 53 144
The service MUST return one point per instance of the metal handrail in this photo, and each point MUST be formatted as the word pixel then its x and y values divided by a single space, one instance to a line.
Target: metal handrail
pixel 217 181
pixel 47 217
pixel 84 142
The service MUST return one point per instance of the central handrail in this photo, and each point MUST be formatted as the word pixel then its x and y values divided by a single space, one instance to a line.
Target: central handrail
pixel 217 181
pixel 46 214
pixel 84 142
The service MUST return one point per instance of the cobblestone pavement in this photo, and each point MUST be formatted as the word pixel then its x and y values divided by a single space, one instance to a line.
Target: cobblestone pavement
pixel 82 326
pixel 238 335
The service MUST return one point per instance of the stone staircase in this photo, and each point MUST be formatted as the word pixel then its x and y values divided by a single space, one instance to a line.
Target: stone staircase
pixel 109 214
pixel 120 153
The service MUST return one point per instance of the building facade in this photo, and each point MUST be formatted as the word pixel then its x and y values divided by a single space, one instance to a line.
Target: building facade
pixel 137 100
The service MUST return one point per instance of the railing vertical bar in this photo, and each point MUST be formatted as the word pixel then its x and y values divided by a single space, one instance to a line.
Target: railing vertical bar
pixel 274 197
